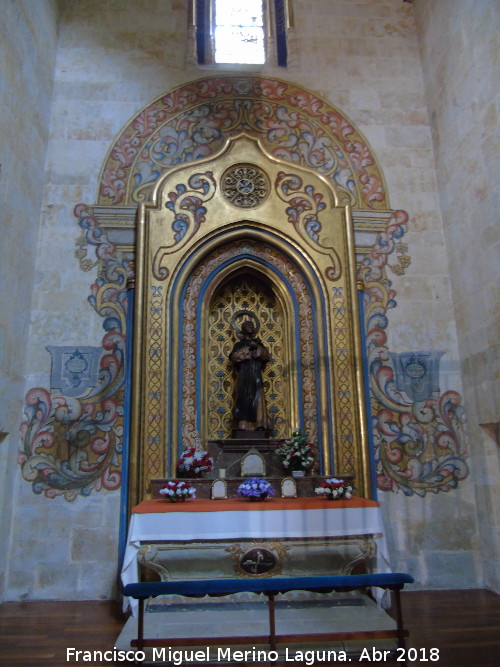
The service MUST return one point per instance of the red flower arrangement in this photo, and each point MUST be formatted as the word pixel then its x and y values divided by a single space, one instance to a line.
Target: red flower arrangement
pixel 193 462
pixel 177 491
pixel 335 489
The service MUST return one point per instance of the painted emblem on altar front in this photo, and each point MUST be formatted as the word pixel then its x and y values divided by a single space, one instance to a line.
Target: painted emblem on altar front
pixel 258 561
pixel 74 370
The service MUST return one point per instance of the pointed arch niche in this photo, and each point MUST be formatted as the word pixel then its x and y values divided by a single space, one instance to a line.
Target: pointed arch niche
pixel 248 289
pixel 243 230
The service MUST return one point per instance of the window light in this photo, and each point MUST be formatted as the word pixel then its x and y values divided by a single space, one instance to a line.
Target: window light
pixel 239 31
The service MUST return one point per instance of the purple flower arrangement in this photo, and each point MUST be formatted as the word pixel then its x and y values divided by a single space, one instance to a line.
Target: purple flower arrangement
pixel 255 489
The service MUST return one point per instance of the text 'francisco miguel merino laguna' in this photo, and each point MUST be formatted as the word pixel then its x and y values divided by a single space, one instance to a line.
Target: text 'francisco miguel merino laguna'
pixel 178 657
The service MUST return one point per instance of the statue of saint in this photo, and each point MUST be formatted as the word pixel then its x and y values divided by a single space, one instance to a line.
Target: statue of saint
pixel 249 356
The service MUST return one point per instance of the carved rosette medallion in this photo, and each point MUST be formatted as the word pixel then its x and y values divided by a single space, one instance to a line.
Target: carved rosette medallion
pixel 245 185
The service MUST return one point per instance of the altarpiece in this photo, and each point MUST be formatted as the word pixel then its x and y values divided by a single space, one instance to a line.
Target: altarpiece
pixel 244 235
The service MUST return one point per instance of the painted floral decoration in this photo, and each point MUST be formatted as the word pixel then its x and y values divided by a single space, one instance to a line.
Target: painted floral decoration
pixel 255 489
pixel 194 461
pixel 335 489
pixel 177 491
pixel 296 453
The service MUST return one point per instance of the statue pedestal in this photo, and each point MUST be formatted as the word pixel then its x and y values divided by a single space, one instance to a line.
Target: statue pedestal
pixel 259 434
pixel 228 453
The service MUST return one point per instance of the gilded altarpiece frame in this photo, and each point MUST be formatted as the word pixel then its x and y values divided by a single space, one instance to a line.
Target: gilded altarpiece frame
pixel 296 238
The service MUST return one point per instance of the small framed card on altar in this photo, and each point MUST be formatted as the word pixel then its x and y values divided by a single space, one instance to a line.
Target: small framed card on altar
pixel 219 489
pixel 253 464
pixel 288 487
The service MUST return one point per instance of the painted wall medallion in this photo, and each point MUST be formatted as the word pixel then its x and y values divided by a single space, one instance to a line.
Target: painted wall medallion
pixel 417 373
pixel 74 370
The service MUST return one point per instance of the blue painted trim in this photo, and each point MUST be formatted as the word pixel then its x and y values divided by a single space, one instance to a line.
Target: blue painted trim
pixel 281 43
pixel 273 584
pixel 122 540
pixel 366 377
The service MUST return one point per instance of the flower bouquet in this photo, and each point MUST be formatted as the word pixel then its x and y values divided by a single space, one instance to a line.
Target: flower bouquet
pixel 177 491
pixel 255 489
pixel 194 461
pixel 296 454
pixel 335 489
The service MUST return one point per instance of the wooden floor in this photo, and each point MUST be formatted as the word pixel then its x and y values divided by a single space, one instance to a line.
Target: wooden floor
pixel 463 625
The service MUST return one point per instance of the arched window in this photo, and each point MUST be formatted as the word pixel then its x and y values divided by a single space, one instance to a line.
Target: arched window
pixel 241 31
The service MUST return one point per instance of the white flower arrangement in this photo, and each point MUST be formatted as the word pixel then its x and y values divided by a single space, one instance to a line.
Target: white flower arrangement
pixel 335 489
pixel 296 453
pixel 175 491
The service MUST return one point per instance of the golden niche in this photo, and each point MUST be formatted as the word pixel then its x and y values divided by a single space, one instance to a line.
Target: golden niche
pixel 237 300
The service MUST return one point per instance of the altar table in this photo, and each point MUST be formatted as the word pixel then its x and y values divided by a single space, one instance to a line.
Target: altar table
pixel 275 522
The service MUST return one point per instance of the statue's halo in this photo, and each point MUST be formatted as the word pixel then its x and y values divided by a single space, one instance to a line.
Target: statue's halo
pixel 241 316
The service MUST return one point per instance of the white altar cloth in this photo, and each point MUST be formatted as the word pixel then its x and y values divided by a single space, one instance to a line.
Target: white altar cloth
pixel 157 521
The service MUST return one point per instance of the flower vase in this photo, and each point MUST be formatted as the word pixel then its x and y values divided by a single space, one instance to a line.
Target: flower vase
pixel 298 473
pixel 188 474
pixel 254 499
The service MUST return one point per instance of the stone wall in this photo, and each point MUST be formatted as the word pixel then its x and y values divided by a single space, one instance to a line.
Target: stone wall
pixel 460 55
pixel 112 59
pixel 28 39
pixel 365 60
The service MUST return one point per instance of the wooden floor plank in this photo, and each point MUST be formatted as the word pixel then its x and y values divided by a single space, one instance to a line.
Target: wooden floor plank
pixel 463 625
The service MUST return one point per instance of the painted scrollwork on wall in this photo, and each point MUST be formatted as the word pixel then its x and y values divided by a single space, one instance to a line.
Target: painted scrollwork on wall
pixel 305 206
pixel 193 122
pixel 72 445
pixel 420 445
pixel 187 206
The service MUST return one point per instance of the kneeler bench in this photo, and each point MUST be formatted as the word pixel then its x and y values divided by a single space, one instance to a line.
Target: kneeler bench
pixel 393 581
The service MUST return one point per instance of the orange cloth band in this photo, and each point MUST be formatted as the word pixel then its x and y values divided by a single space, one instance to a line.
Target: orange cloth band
pixel 241 504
